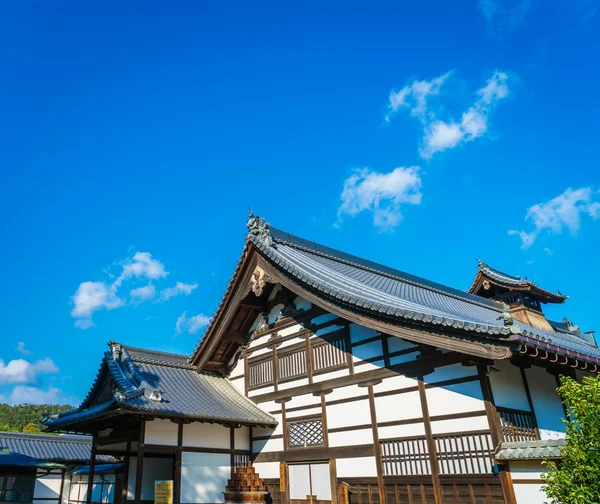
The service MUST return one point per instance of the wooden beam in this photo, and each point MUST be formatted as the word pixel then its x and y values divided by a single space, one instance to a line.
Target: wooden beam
pixel 139 469
pixel 126 463
pixel 236 337
pixel 90 484
pixel 177 482
pixel 376 446
pixel 431 448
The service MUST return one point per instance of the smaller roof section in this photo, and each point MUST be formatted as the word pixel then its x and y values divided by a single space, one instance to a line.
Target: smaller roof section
pixel 492 283
pixel 63 448
pixel 530 450
pixel 98 468
pixel 14 459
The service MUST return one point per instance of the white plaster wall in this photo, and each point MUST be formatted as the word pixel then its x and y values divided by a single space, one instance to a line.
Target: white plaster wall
pixel 345 414
pixel 204 477
pixel 303 400
pixel 528 493
pixel 260 391
pixel 47 486
pixel 290 342
pixel 327 330
pixel 291 384
pixel 547 405
pixel 359 333
pixel 367 351
pixel 154 469
pixel 66 489
pixel 351 438
pixel 238 369
pixel 241 439
pixel 396 344
pixel 267 469
pixel 459 398
pixel 205 435
pixel 398 382
pixel 450 372
pixel 368 366
pixel 317 410
pixel 396 431
pixel 507 386
pixel 290 330
pixel 261 351
pixel 267 445
pixel 460 425
pixel 398 407
pixel 356 467
pixel 329 376
pixel 240 384
pixel 161 432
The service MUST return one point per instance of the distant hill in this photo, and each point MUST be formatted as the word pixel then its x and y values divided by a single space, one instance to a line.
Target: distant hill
pixel 27 417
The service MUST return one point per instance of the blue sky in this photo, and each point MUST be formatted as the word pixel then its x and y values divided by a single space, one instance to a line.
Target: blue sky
pixel 422 135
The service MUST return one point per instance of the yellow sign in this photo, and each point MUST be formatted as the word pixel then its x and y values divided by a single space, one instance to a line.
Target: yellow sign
pixel 282 484
pixel 163 492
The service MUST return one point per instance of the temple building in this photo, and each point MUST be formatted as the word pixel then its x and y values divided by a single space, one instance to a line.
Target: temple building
pixel 324 378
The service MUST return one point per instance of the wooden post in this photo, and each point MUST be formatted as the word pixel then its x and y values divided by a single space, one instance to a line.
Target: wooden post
pixel 62 485
pixel 177 482
pixel 139 469
pixel 490 409
pixel 232 447
pixel 376 446
pixel 530 401
pixel 125 489
pixel 90 485
pixel 431 448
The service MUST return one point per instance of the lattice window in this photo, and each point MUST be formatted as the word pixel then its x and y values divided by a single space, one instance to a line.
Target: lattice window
pixel 305 433
pixel 329 354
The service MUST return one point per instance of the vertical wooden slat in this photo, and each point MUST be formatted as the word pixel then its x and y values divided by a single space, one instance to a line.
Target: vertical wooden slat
pixel 376 446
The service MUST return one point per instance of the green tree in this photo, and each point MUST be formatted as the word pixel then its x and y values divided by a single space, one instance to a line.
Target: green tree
pixel 576 479
pixel 32 428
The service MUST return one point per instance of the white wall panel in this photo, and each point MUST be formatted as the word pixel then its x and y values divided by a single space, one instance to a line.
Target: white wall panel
pixel 396 344
pixel 154 469
pixel 267 469
pixel 350 438
pixel 302 400
pixel 356 467
pixel 291 384
pixel 161 432
pixel 398 382
pixel 450 372
pixel 205 435
pixel 267 445
pixel 241 439
pixel 346 392
pixel 360 333
pixel 507 386
pixel 547 405
pixel 460 425
pixel 345 414
pixel 316 411
pixel 47 486
pixel 290 330
pixel 396 431
pixel 204 477
pixel 459 398
pixel 240 384
pixel 367 351
pixel 398 407
pixel 528 493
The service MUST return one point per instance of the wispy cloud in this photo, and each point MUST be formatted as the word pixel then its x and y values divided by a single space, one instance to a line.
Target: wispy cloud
pixel 179 289
pixel 560 213
pixel 505 15
pixel 23 371
pixel 21 348
pixel 91 297
pixel 444 134
pixel 191 325
pixel 383 194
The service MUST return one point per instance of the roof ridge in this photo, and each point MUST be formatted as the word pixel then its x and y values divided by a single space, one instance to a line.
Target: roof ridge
pixel 48 437
pixel 393 273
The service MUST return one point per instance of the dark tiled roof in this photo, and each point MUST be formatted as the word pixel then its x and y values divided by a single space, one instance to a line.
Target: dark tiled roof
pixel 11 458
pixel 64 448
pixel 530 450
pixel 388 293
pixel 165 384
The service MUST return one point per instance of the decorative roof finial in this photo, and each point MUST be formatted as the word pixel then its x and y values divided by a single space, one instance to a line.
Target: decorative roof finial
pixel 259 228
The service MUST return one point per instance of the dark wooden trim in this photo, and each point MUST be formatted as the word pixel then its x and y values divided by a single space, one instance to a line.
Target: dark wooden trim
pixel 232 447
pixel 178 463
pixel 349 356
pixel 275 367
pixel 246 376
pixel 90 483
pixel 386 349
pixel 284 426
pixel 324 426
pixel 316 453
pixel 530 402
pixel 536 481
pixel 126 463
pixel 62 486
pixel 309 359
pixel 367 341
pixel 376 446
pixel 139 464
pixel 431 447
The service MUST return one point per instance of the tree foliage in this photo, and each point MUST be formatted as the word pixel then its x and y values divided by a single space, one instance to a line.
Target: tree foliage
pixel 576 479
pixel 27 416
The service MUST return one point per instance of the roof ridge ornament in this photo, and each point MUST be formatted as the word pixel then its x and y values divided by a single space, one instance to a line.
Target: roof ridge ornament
pixel 508 320
pixel 259 228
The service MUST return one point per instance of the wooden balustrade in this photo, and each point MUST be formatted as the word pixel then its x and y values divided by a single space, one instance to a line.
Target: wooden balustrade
pixel 517 425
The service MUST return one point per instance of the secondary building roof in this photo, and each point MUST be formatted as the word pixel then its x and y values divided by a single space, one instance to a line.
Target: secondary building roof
pixel 530 450
pixel 14 459
pixel 63 448
pixel 165 385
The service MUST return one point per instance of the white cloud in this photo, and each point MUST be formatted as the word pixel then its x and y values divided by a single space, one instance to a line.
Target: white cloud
pixel 141 266
pixel 21 348
pixel 143 293
pixel 191 325
pixel 414 97
pixel 563 212
pixel 442 135
pixel 180 288
pixel 22 394
pixel 506 15
pixel 22 371
pixel 91 297
pixel 381 193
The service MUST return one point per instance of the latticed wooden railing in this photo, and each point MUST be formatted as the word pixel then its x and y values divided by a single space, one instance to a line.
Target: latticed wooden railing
pixel 467 453
pixel 517 425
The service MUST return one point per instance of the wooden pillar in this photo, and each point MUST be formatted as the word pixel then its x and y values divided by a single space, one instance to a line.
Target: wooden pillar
pixel 232 447
pixel 492 415
pixel 530 401
pixel 90 485
pixel 431 448
pixel 178 454
pixel 376 446
pixel 126 463
pixel 139 469
pixel 62 485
